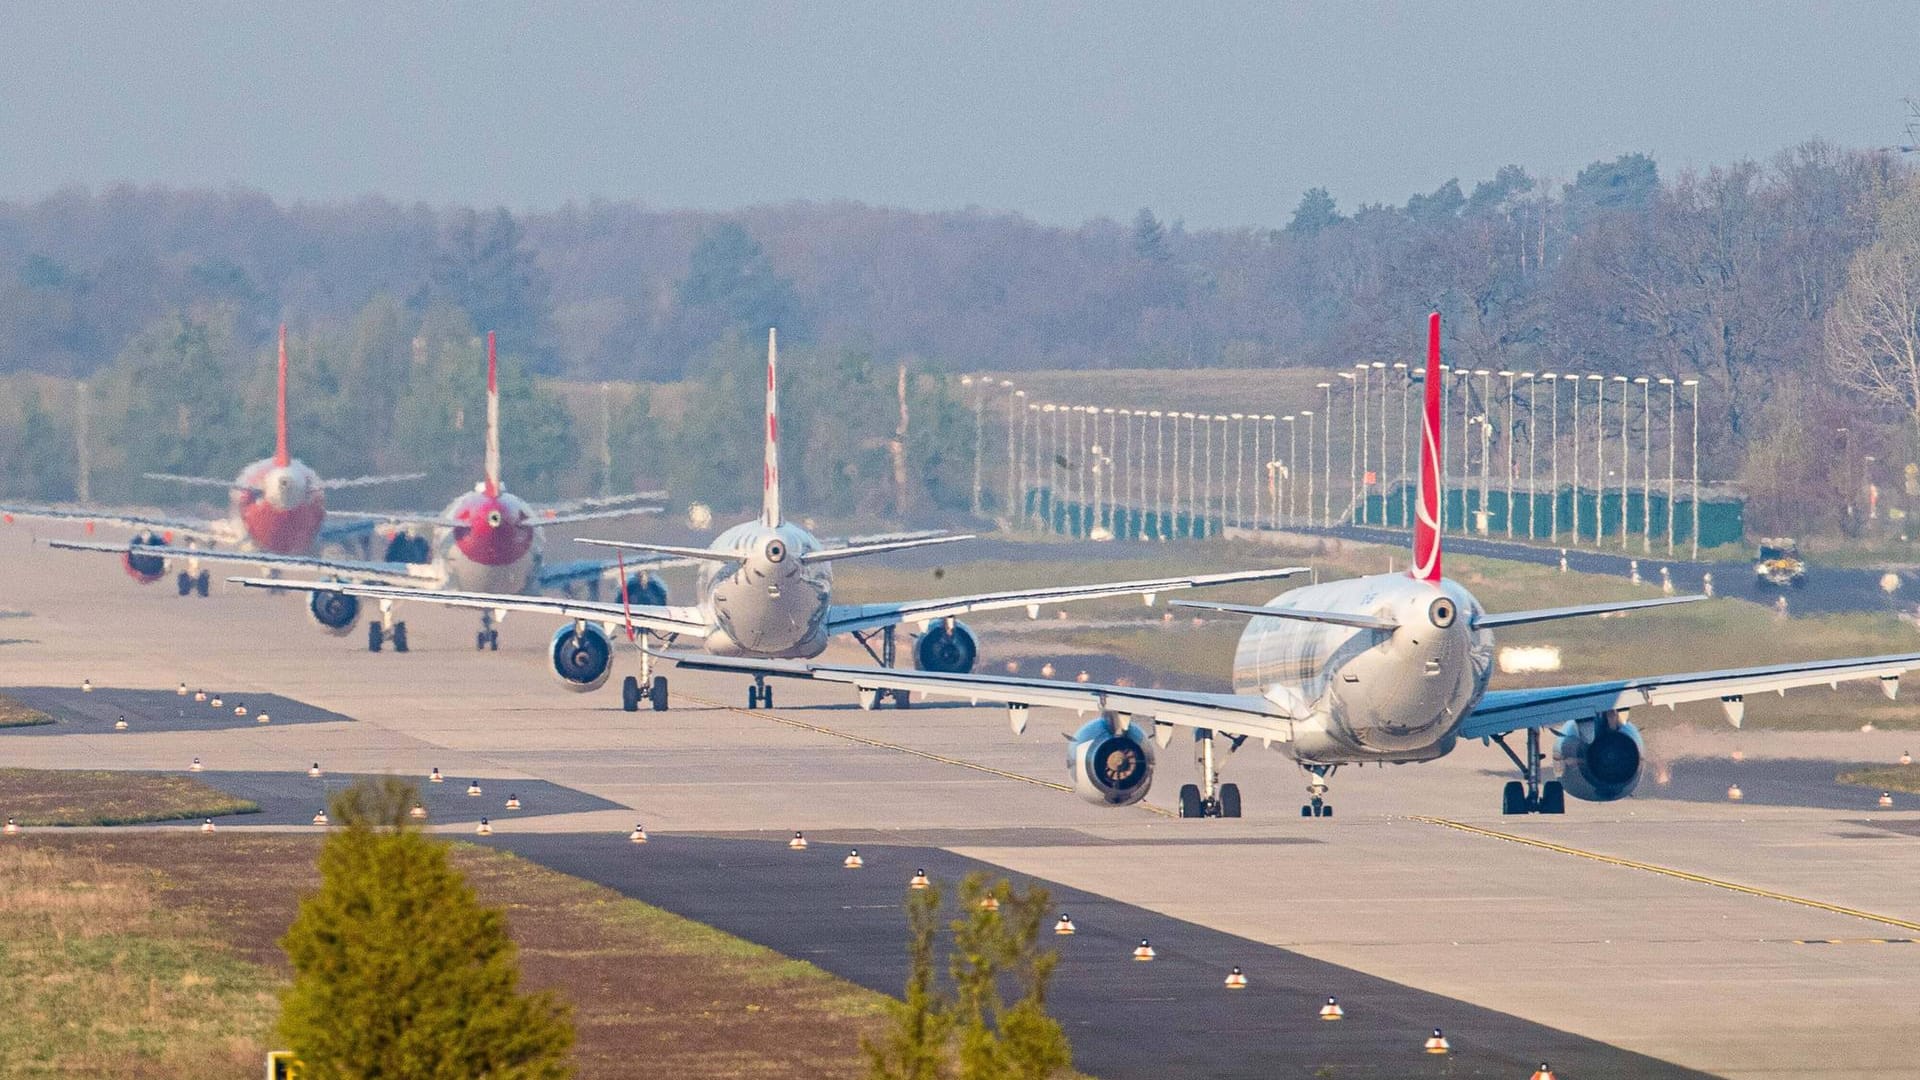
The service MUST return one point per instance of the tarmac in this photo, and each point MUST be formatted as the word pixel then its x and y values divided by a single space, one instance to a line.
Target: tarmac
pixel 1673 933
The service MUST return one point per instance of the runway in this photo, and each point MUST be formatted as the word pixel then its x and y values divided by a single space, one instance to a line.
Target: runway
pixel 1525 949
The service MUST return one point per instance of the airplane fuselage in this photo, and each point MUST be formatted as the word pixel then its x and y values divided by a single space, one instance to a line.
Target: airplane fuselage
pixel 1365 694
pixel 278 508
pixel 768 603
pixel 496 548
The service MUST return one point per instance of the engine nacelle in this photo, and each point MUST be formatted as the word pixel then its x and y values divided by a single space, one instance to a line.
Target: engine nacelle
pixel 645 589
pixel 145 569
pixel 335 612
pixel 582 657
pixel 1605 769
pixel 1111 768
pixel 947 647
pixel 405 547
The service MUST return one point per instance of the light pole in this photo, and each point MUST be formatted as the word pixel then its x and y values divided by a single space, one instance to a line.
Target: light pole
pixel 1625 452
pixel 1286 509
pixel 1363 398
pixel 1506 433
pixel 1486 444
pixel 1533 461
pixel 1353 439
pixel 1017 409
pixel 1052 471
pixel 1553 456
pixel 1013 402
pixel 1225 464
pixel 1240 463
pixel 1193 444
pixel 1159 473
pixel 1273 452
pixel 1405 379
pixel 1646 464
pixel 1173 499
pixel 1326 488
pixel 1846 468
pixel 1576 457
pixel 1672 441
pixel 1307 415
pixel 1380 467
pixel 979 409
pixel 1599 458
pixel 1695 384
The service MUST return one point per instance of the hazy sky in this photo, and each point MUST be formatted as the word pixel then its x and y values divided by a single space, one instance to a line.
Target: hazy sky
pixel 1217 113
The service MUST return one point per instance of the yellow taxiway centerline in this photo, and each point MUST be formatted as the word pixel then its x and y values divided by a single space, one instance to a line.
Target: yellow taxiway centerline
pixel 880 744
pixel 1668 871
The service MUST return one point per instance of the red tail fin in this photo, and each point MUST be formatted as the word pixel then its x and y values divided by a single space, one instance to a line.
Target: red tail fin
pixel 280 456
pixel 770 501
pixel 493 419
pixel 1426 525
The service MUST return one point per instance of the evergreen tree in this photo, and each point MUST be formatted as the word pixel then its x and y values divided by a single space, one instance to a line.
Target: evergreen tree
pixel 1315 212
pixel 916 1047
pixel 399 971
pixel 1149 236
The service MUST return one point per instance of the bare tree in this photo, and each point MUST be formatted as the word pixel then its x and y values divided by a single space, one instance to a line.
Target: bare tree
pixel 1873 328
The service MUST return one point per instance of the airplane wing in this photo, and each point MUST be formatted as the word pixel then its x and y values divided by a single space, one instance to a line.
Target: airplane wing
pixel 556 575
pixel 1229 714
pixel 366 519
pixel 600 502
pixel 845 618
pixel 660 619
pixel 1501 711
pixel 551 517
pixel 368 481
pixel 365 569
pixel 195 528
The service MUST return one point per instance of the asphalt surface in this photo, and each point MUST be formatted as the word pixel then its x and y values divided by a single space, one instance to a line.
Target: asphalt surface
pixel 76 711
pixel 1169 1017
pixel 292 798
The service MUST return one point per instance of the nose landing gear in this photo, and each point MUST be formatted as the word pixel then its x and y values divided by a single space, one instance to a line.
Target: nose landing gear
pixel 759 695
pixel 1318 806
pixel 1528 795
pixel 489 636
pixel 647 687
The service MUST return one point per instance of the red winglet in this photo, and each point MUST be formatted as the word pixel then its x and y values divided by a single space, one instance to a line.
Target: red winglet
pixel 1426 526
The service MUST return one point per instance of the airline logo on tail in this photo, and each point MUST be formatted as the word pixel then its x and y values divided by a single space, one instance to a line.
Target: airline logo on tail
pixel 1426 526
pixel 770 511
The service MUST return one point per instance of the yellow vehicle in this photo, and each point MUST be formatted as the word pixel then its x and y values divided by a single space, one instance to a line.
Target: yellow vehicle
pixel 1781 566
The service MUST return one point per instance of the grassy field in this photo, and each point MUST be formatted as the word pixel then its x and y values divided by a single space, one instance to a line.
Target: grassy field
pixel 14 714
pixel 1892 778
pixel 1721 633
pixel 78 797
pixel 151 954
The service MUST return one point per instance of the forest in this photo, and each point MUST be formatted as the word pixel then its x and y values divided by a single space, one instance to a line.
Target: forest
pixel 1767 280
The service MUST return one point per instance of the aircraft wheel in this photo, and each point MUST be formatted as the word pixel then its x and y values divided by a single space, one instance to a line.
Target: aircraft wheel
pixel 630 694
pixel 766 698
pixel 399 637
pixel 479 640
pixel 1513 798
pixel 493 640
pixel 657 693
pixel 375 637
pixel 753 697
pixel 200 584
pixel 185 583
pixel 1230 800
pixel 1553 798
pixel 1190 801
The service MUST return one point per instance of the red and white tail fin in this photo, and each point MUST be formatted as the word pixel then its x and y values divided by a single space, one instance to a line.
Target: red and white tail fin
pixel 770 509
pixel 493 418
pixel 280 455
pixel 1426 525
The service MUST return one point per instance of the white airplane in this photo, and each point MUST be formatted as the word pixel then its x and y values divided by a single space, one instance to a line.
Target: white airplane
pixel 1384 668
pixel 277 505
pixel 766 590
pixel 485 540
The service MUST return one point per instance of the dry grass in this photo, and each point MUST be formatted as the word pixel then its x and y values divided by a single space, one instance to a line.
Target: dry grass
pixel 79 797
pixel 1891 778
pixel 154 954
pixel 14 714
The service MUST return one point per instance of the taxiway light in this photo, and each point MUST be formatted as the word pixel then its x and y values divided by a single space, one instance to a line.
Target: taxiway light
pixel 798 843
pixel 853 861
pixel 989 902
pixel 239 710
pixel 639 834
pixel 1332 1010
pixel 262 718
pixel 199 695
pixel 1144 951
pixel 120 724
pixel 418 813
pixel 1236 980
pixel 513 802
pixel 434 777
pixel 473 789
pixel 320 817
pixel 919 880
pixel 1437 1043
pixel 1064 927
pixel 1543 1072
pixel 12 827
pixel 207 825
pixel 182 691
pixel 86 686
pixel 196 766
pixel 314 770
pixel 1734 794
pixel 215 701
pixel 485 828
pixel 1906 758
pixel 1886 800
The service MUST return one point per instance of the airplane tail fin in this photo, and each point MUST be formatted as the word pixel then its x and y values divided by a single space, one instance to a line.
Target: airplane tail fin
pixel 770 511
pixel 493 418
pixel 280 455
pixel 1426 526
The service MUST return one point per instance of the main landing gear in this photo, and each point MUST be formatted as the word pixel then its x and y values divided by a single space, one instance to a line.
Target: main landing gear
pixel 901 699
pixel 1317 804
pixel 1528 795
pixel 648 687
pixel 386 630
pixel 1208 798
pixel 759 695
pixel 191 584
pixel 489 636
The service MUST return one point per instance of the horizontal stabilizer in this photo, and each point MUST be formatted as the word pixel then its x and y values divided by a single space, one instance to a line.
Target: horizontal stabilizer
pixel 1517 618
pixel 1337 618
pixel 709 554
pixel 195 481
pixel 856 550
pixel 371 481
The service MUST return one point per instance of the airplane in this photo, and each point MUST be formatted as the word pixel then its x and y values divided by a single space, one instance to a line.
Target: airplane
pixel 1386 668
pixel 766 590
pixel 276 505
pixel 486 540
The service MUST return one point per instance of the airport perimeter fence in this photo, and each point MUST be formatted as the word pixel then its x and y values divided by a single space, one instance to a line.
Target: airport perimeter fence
pixel 1584 516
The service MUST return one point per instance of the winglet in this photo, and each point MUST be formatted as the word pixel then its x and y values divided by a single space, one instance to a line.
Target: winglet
pixel 1426 526
pixel 493 419
pixel 770 512
pixel 280 455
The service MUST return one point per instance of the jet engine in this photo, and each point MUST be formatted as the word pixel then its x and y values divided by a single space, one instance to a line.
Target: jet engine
pixel 405 547
pixel 645 589
pixel 946 647
pixel 582 657
pixel 1602 769
pixel 1109 767
pixel 145 569
pixel 336 612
